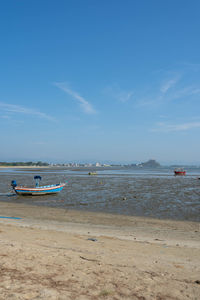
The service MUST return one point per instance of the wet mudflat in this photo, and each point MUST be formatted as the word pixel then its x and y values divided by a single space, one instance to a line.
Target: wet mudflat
pixel 150 194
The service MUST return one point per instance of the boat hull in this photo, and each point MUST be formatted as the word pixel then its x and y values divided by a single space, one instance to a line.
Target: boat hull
pixel 38 191
pixel 179 173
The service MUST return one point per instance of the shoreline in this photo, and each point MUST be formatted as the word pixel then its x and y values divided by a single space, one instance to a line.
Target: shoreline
pixel 61 219
pixel 52 253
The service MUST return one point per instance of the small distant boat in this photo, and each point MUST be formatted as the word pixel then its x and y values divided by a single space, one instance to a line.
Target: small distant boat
pixel 179 172
pixel 37 190
pixel 92 173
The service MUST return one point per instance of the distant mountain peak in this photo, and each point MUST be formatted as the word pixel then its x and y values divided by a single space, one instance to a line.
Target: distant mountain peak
pixel 151 163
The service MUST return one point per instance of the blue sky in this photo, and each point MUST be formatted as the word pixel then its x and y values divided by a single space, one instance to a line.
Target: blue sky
pixel 106 81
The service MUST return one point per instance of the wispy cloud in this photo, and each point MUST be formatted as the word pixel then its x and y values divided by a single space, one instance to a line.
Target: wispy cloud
pixel 149 102
pixel 11 108
pixel 168 84
pixel 6 117
pixel 178 87
pixel 124 96
pixel 192 66
pixel 116 92
pixel 186 91
pixel 164 127
pixel 85 105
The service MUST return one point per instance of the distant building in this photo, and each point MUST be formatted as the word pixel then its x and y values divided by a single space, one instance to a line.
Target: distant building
pixel 97 164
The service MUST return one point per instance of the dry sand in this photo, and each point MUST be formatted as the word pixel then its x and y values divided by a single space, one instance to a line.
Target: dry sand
pixel 62 254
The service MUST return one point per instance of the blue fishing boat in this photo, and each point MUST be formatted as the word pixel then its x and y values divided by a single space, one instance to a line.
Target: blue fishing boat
pixel 37 190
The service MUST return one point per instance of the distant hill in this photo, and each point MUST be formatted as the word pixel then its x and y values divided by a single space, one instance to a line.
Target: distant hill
pixel 150 164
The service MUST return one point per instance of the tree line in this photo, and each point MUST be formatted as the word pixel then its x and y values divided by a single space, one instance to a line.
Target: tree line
pixel 29 163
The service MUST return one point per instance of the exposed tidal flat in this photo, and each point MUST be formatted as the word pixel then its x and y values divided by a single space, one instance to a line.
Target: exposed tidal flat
pixel 150 193
pixel 118 235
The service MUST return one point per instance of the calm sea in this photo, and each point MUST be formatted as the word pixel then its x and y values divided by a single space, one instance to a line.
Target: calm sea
pixel 132 192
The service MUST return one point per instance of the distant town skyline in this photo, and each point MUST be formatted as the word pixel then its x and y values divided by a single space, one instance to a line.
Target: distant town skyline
pixel 100 81
pixel 148 163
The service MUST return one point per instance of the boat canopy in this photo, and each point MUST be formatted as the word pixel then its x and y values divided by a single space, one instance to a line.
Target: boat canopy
pixel 37 177
pixel 13 183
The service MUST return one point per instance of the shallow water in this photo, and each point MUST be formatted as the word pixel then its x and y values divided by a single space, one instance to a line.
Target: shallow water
pixel 147 193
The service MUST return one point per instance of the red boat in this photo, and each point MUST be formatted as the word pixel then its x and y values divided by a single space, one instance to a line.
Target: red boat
pixel 179 172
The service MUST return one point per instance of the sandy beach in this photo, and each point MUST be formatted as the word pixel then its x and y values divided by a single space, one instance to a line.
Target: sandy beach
pixel 52 253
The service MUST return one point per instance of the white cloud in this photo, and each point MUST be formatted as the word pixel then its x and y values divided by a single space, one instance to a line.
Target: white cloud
pixel 125 96
pixel 11 108
pixel 164 127
pixel 168 84
pixel 116 92
pixel 6 117
pixel 184 92
pixel 195 91
pixel 147 102
pixel 163 96
pixel 85 105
